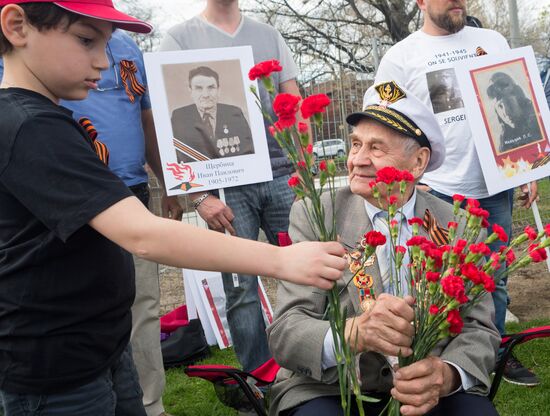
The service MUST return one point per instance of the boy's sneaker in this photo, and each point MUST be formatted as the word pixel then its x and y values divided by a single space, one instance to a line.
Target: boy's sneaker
pixel 516 373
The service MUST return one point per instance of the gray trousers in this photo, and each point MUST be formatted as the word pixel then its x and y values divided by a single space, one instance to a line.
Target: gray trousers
pixel 145 337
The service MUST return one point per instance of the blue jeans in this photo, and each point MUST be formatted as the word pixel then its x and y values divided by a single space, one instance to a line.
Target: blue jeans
pixel 115 392
pixel 263 205
pixel 500 212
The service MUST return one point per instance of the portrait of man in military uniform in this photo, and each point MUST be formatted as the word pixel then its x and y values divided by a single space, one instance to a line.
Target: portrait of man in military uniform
pixel 444 90
pixel 208 129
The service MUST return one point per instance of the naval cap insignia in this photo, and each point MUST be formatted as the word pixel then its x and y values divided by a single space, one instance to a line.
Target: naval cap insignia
pixel 389 92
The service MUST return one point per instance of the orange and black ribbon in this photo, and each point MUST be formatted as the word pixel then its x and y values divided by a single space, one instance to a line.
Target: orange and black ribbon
pixel 128 70
pixel 99 147
pixel 438 234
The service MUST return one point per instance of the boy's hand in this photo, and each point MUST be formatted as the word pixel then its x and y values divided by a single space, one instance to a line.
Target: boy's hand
pixel 420 385
pixel 386 328
pixel 312 264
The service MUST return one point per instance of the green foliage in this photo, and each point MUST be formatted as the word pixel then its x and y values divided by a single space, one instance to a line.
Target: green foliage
pixel 184 396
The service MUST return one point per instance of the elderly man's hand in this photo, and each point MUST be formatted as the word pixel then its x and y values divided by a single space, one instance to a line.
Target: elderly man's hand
pixel 385 329
pixel 420 385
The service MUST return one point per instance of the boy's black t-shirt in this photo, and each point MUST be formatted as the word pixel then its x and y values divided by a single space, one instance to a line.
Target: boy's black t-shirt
pixel 65 290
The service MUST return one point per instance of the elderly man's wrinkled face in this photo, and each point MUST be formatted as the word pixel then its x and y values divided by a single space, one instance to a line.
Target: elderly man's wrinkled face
pixel 374 146
pixel 449 15
pixel 204 92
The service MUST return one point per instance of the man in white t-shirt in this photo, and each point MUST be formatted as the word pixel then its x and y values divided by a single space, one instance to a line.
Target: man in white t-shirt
pixel 251 207
pixel 424 64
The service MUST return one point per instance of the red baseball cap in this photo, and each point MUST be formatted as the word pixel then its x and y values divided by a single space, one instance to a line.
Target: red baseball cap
pixel 98 9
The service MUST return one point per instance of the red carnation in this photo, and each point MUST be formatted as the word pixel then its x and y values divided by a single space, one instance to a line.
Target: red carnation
pixel 309 148
pixel 432 276
pixel 323 165
pixel 416 220
pixel 479 212
pixel 434 310
pixel 537 254
pixel 314 104
pixel 452 224
pixel 293 181
pixel 484 223
pixel 510 257
pixel 264 69
pixel 375 238
pixel 495 261
pixel 474 203
pixel 453 286
pixel 502 236
pixel 393 223
pixel 372 184
pixel 272 130
pixel 459 246
pixel 531 233
pixel 417 240
pixel 488 283
pixel 458 197
pixel 285 106
pixel 301 164
pixel 455 321
pixel 407 176
pixel 392 200
pixel 471 272
pixel 400 249
pixel 302 127
pixel 388 175
pixel 480 248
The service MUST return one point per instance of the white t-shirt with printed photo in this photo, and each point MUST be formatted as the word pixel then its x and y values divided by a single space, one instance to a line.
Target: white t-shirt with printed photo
pixel 424 65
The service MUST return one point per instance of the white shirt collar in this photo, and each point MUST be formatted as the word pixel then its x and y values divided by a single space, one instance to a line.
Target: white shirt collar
pixel 407 209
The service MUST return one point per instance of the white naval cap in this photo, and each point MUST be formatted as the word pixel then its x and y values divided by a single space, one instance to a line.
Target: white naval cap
pixel 400 110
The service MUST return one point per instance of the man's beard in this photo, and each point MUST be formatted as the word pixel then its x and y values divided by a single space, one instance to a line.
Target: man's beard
pixel 449 22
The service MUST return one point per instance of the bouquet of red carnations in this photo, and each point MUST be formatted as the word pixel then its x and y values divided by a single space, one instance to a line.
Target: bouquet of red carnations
pixel 294 139
pixel 446 280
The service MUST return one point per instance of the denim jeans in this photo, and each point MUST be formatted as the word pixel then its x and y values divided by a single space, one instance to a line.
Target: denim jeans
pixel 263 205
pixel 115 392
pixel 500 212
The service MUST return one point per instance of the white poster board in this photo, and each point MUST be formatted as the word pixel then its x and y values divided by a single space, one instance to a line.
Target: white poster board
pixel 210 131
pixel 205 299
pixel 509 117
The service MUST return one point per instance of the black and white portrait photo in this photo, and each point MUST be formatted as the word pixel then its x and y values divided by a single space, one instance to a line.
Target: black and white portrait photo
pixel 444 90
pixel 209 116
pixel 515 114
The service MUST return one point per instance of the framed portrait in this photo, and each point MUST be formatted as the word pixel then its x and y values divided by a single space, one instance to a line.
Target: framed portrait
pixel 210 131
pixel 509 117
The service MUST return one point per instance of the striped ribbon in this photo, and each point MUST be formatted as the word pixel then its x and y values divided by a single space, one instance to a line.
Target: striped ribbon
pixel 438 234
pixel 100 148
pixel 128 70
pixel 189 151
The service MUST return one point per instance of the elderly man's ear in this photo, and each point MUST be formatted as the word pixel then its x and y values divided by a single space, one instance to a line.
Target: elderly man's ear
pixel 421 159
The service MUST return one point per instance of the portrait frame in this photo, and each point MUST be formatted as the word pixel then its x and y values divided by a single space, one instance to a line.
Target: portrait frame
pixel 229 148
pixel 508 116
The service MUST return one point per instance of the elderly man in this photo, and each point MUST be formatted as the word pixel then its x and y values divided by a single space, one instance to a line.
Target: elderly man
pixel 394 129
pixel 211 128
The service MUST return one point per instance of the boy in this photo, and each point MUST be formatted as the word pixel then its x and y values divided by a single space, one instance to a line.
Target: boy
pixel 65 284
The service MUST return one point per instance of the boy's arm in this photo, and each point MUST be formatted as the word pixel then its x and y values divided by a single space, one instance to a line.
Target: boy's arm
pixel 129 224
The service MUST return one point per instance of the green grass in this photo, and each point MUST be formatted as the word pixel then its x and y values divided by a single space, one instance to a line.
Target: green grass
pixel 186 396
pixel 529 401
